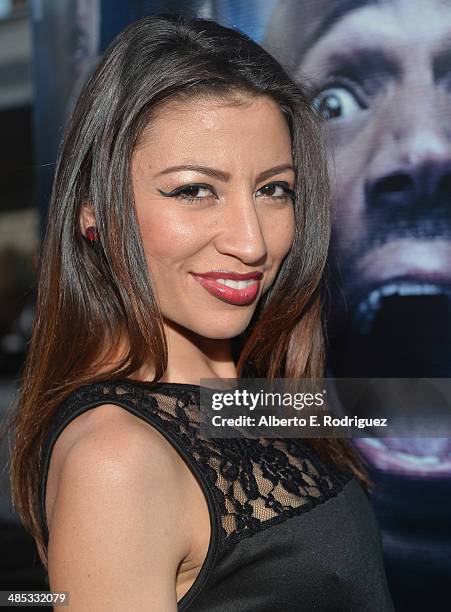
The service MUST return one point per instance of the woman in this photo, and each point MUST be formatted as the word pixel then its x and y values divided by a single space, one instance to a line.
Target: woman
pixel 190 209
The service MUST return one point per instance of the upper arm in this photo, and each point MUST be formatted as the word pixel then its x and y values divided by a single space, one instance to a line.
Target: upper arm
pixel 116 538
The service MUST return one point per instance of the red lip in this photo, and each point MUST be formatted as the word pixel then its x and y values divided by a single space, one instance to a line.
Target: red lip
pixel 239 297
pixel 230 275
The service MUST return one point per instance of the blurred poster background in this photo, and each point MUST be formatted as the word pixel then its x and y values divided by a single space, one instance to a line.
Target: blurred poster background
pixel 379 73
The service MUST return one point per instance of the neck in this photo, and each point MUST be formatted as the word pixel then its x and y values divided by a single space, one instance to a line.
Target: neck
pixel 192 357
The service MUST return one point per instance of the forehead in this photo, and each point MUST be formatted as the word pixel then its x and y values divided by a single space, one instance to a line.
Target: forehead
pixel 215 128
pixel 204 109
pixel 399 24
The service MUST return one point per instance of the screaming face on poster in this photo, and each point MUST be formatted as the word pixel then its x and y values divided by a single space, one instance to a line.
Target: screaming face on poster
pixel 380 74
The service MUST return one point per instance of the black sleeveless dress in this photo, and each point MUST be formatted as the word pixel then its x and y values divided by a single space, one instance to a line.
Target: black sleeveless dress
pixel 288 531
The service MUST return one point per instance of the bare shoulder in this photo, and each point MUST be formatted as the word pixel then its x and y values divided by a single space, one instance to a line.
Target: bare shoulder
pixel 109 434
pixel 116 534
pixel 109 431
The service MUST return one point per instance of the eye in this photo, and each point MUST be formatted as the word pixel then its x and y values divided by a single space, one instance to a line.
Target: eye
pixel 198 192
pixel 191 193
pixel 336 103
pixel 279 191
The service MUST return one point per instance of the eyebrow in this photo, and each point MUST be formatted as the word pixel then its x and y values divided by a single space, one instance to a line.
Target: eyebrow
pixel 362 63
pixel 225 176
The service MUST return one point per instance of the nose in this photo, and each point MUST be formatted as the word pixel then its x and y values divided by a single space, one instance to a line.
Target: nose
pixel 414 157
pixel 242 233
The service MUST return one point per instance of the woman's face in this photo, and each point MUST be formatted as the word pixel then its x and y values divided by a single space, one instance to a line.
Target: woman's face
pixel 212 183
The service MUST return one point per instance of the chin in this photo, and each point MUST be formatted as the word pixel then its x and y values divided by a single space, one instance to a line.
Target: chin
pixel 214 332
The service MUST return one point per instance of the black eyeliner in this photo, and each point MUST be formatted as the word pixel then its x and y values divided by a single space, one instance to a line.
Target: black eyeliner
pixel 178 190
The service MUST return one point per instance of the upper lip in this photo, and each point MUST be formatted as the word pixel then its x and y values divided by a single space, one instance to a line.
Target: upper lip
pixel 230 275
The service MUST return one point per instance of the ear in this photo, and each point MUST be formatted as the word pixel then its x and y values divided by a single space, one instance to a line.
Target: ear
pixel 87 217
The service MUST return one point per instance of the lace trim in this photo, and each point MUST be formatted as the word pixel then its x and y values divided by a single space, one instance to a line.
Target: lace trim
pixel 255 482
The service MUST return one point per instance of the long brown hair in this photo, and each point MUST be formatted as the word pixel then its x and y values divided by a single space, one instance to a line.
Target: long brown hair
pixel 88 300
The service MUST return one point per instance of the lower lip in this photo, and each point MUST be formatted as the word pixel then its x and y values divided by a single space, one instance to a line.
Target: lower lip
pixel 239 297
pixel 386 460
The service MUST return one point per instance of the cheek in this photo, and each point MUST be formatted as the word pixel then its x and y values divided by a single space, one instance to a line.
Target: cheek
pixel 279 234
pixel 167 238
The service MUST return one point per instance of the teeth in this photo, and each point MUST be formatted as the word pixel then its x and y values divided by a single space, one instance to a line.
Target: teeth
pixel 236 284
pixel 367 309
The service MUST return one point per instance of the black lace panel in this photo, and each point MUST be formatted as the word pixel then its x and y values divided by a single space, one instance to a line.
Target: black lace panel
pixel 255 482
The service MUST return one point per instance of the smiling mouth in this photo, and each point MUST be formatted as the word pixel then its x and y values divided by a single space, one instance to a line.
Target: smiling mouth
pixel 231 291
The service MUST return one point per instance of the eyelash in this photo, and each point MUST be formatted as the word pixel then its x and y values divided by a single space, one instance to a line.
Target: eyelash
pixel 178 193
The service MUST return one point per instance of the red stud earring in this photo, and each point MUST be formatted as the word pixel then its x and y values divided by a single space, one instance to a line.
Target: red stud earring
pixel 92 234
